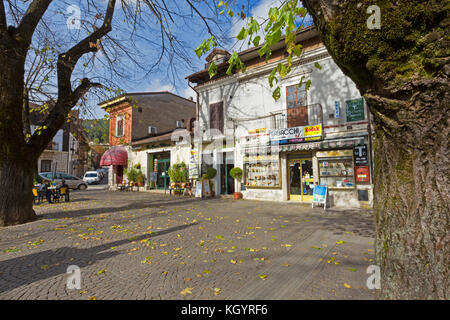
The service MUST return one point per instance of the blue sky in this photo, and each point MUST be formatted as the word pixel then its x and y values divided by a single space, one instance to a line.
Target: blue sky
pixel 143 46
pixel 159 80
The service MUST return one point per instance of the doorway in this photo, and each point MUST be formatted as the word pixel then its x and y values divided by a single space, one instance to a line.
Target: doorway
pixel 301 180
pixel 162 166
pixel 119 175
pixel 226 180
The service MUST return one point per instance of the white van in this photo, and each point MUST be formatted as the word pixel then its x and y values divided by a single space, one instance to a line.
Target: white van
pixel 91 177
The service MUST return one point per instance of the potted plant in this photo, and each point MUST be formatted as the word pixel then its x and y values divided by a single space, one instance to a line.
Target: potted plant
pixel 236 173
pixel 210 175
pixel 140 178
pixel 178 174
pixel 132 175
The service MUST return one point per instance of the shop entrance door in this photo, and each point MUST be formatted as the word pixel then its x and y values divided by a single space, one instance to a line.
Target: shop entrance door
pixel 119 175
pixel 226 181
pixel 301 180
pixel 163 176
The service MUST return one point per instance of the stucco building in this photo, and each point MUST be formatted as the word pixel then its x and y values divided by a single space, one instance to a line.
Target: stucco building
pixel 140 133
pixel 285 147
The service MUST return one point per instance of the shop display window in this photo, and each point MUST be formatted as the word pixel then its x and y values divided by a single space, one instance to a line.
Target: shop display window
pixel 337 173
pixel 262 174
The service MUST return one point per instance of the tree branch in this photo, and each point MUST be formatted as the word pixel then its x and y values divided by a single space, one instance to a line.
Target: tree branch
pixel 3 25
pixel 67 98
pixel 30 20
pixel 67 61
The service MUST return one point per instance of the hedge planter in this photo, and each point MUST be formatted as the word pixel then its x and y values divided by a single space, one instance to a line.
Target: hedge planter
pixel 237 195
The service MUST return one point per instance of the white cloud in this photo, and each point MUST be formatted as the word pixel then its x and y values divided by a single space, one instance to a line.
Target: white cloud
pixel 156 86
pixel 188 93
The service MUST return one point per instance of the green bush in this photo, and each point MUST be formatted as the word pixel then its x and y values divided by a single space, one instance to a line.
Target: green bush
pixel 211 173
pixel 236 173
pixel 132 174
pixel 140 178
pixel 179 172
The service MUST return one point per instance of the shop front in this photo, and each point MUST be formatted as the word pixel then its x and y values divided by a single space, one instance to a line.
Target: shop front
pixel 116 158
pixel 159 164
pixel 283 170
pixel 301 178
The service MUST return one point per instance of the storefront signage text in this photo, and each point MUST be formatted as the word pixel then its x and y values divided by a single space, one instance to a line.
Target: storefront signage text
pixel 295 134
pixel 360 155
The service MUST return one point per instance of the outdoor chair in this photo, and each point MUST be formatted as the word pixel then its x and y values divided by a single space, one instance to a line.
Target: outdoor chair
pixel 36 197
pixel 61 193
pixel 122 186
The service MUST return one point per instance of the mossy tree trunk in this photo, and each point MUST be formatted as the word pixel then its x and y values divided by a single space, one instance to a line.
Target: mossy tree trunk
pixel 402 71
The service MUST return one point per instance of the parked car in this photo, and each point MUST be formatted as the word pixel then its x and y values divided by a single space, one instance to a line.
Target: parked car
pixel 72 181
pixel 103 172
pixel 92 177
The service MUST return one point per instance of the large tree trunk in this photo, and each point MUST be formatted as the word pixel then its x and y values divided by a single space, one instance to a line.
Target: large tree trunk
pixel 17 165
pixel 403 71
pixel 412 179
pixel 16 182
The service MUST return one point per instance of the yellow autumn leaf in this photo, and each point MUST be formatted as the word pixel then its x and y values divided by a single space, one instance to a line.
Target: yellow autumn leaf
pixel 347 285
pixel 186 291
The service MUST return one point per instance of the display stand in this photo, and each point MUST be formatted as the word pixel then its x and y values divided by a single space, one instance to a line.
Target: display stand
pixel 320 196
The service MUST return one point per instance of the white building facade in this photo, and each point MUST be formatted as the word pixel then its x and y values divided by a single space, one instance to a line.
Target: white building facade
pixel 319 136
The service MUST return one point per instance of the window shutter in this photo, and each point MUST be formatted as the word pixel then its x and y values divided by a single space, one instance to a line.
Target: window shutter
pixel 216 116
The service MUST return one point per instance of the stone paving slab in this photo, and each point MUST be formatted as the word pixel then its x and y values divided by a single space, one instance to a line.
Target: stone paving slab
pixel 138 245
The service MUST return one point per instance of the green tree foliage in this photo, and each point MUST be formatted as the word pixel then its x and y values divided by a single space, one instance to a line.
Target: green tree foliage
pixel 97 130
pixel 285 21
pixel 179 172
pixel 236 173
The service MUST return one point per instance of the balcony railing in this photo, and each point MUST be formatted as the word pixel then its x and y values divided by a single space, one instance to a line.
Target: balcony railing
pixel 308 115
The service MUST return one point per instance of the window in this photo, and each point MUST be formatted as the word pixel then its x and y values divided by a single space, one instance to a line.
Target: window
pixel 216 116
pixel 120 126
pixel 262 171
pixel 46 165
pixel 296 97
pixel 297 109
pixel 337 173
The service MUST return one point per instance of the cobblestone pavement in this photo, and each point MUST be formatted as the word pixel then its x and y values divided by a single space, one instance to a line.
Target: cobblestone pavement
pixel 141 245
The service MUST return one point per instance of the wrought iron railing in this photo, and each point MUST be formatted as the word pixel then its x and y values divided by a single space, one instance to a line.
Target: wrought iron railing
pixel 279 119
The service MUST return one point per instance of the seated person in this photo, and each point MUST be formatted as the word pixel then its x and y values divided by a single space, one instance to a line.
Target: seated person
pixel 64 190
pixel 43 189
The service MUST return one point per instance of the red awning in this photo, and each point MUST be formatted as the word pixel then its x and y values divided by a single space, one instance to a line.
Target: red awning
pixel 115 156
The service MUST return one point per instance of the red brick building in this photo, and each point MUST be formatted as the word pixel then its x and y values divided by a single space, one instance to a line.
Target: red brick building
pixel 137 116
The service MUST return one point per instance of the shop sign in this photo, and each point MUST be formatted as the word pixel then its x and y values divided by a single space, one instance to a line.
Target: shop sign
pixel 334 153
pixel 193 166
pixel 362 174
pixel 259 130
pixel 258 158
pixel 313 131
pixel 320 196
pixel 360 155
pixel 355 110
pixel 337 109
pixel 295 134
pixel 255 140
pixel 153 176
pixel 198 189
pixel 206 188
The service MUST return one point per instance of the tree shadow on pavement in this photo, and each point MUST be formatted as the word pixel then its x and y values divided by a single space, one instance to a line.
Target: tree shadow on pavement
pixel 24 270
pixel 145 204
